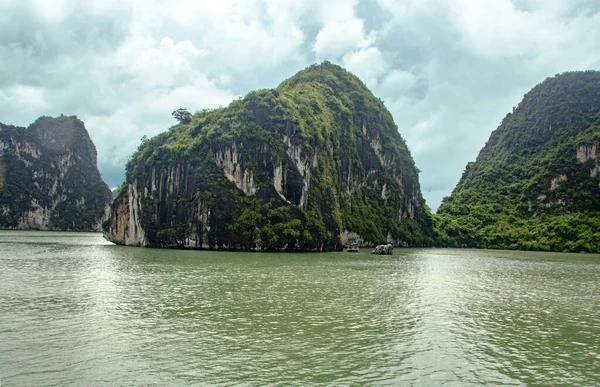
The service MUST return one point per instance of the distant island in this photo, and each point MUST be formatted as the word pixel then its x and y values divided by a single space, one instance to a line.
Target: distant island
pixel 49 178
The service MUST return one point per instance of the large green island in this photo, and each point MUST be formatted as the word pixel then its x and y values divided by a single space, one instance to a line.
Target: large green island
pixel 311 165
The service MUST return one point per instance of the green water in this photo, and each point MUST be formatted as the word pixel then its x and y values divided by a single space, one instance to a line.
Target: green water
pixel 76 310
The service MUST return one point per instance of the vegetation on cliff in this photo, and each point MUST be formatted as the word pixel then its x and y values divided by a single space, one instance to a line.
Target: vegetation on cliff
pixel 535 184
pixel 288 168
pixel 49 178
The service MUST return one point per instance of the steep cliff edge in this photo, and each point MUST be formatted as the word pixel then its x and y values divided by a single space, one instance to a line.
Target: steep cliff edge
pixel 302 167
pixel 49 179
pixel 535 184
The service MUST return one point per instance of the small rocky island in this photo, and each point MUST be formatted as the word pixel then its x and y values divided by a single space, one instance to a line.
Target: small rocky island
pixel 295 168
pixel 383 249
pixel 49 179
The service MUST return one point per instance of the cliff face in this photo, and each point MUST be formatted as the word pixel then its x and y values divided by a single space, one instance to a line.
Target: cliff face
pixel 49 179
pixel 535 184
pixel 301 167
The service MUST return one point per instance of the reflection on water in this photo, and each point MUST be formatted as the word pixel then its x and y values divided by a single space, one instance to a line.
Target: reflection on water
pixel 77 310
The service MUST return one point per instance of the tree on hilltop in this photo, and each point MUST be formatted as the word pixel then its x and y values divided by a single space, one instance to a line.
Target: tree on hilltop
pixel 182 115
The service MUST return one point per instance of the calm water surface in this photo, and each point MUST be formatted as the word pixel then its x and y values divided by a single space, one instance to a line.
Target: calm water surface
pixel 76 310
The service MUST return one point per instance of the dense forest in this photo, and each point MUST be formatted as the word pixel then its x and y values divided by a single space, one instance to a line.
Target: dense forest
pixel 535 185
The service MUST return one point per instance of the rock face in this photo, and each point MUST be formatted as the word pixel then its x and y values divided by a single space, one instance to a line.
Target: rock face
pixel 383 250
pixel 292 168
pixel 535 184
pixel 49 179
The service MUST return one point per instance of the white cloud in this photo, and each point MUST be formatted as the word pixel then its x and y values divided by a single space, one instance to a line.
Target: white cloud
pixel 337 37
pixel 29 98
pixel 400 80
pixel 240 35
pixel 368 64
pixel 54 11
pixel 497 29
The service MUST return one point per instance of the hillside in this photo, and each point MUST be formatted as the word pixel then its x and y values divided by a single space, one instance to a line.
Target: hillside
pixel 535 185
pixel 311 165
pixel 49 179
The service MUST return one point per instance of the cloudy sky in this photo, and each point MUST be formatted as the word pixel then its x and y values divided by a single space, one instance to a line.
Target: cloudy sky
pixel 448 70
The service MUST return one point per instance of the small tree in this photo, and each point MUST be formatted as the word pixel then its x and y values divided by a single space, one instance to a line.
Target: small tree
pixel 182 115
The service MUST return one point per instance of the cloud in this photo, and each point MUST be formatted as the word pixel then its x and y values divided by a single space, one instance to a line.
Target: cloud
pixel 368 64
pixel 398 80
pixel 448 70
pixel 27 96
pixel 242 35
pixel 337 37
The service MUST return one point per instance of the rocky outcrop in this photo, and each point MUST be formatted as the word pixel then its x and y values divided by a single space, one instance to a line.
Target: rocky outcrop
pixel 49 179
pixel 555 182
pixel 350 239
pixel 283 169
pixel 587 154
pixel 125 224
pixel 383 249
pixel 234 171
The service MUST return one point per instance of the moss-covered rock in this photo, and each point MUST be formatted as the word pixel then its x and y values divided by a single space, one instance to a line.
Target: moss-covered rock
pixel 285 169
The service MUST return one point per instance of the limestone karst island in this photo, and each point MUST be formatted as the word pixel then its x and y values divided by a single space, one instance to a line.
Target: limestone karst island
pixel 317 164
pixel 302 167
pixel 49 179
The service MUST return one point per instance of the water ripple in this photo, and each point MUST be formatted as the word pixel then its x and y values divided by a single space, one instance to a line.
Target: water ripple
pixel 77 311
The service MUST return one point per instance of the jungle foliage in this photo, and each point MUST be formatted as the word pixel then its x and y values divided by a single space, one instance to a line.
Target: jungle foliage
pixel 535 184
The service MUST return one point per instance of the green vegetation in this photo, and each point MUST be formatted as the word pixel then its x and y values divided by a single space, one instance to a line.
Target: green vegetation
pixel 535 184
pixel 335 145
pixel 277 228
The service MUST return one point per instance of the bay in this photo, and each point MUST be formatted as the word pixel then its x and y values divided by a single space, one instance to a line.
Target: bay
pixel 77 310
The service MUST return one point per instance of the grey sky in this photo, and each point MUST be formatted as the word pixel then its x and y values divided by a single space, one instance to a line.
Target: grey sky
pixel 448 70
